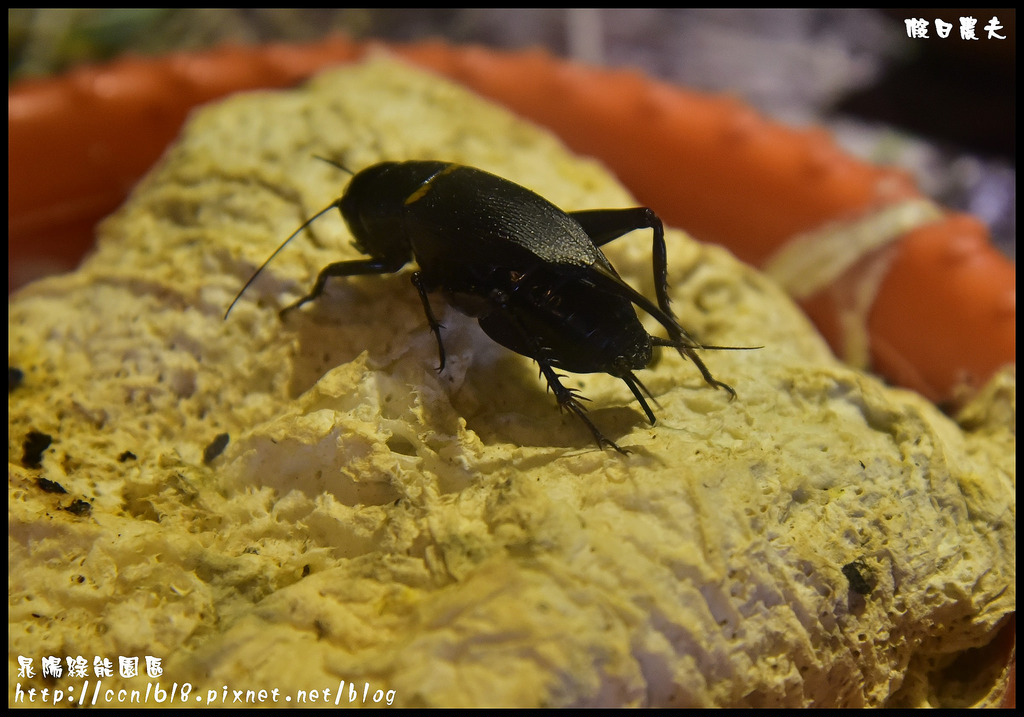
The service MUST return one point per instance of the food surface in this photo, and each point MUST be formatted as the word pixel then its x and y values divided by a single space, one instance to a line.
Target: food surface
pixel 307 504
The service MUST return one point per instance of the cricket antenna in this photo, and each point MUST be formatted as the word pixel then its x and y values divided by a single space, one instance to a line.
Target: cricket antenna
pixel 277 251
pixel 329 207
pixel 336 164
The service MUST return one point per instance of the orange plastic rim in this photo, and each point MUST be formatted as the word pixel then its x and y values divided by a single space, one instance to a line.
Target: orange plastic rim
pixel 944 316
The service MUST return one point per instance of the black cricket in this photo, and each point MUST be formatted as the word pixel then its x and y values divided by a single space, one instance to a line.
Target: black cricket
pixel 531 274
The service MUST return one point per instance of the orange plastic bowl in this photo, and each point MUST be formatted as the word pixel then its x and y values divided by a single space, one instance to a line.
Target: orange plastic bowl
pixel 943 317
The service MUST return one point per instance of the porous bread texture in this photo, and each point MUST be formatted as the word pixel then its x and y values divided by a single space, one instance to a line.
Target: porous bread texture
pixel 451 537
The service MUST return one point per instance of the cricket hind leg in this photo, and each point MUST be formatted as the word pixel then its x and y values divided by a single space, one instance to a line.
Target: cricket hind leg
pixel 688 351
pixel 605 225
pixel 507 330
pixel 572 401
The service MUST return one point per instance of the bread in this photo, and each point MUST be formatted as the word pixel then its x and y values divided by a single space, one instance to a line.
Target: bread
pixel 383 533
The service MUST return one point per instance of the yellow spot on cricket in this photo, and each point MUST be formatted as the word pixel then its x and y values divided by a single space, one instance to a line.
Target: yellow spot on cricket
pixel 425 187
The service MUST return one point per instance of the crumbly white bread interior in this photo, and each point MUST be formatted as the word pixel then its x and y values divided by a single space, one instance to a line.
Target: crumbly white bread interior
pixel 451 538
